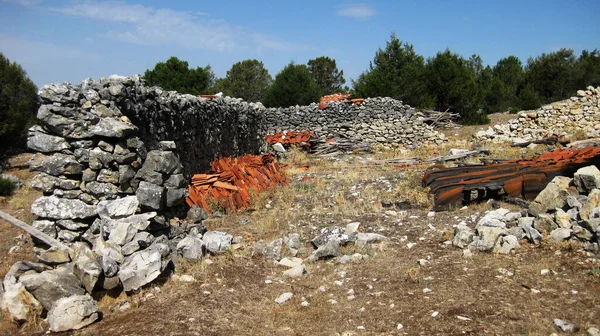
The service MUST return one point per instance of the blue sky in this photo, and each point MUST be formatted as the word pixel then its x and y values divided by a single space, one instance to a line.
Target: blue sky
pixel 58 41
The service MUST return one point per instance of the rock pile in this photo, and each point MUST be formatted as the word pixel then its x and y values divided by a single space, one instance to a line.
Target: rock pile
pixel 567 209
pixel 562 119
pixel 376 120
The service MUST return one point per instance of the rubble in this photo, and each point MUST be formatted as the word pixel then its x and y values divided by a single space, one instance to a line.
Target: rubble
pixel 515 178
pixel 559 119
pixel 500 230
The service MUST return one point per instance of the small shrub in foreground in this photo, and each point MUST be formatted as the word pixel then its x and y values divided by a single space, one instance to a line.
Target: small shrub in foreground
pixel 6 186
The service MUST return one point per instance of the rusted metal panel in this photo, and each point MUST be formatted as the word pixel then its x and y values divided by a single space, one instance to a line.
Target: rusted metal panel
pixel 516 178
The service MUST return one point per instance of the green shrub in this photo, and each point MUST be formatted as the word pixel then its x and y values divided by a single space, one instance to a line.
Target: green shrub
pixel 6 186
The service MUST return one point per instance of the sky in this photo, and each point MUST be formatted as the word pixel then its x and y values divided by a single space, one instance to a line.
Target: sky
pixel 58 41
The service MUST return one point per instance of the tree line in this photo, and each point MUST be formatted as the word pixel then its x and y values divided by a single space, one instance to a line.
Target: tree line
pixel 444 82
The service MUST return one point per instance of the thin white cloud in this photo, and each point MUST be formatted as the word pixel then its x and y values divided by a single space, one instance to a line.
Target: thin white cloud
pixel 357 11
pixel 139 24
pixel 23 2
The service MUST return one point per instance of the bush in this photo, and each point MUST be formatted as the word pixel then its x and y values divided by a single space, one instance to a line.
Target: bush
pixel 6 186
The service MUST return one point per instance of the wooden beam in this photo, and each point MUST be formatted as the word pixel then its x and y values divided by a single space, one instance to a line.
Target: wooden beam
pixel 34 232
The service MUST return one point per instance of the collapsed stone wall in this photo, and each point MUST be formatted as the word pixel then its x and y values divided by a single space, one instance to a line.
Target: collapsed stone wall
pixel 114 158
pixel 580 114
pixel 376 120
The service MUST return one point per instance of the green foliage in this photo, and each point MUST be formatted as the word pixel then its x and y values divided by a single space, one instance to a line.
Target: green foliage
pixel 18 103
pixel 6 186
pixel 453 85
pixel 294 85
pixel 325 72
pixel 248 80
pixel 397 72
pixel 174 74
pixel 587 69
pixel 552 76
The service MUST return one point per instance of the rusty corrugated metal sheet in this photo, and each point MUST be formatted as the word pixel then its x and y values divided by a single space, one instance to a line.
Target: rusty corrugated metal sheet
pixel 516 178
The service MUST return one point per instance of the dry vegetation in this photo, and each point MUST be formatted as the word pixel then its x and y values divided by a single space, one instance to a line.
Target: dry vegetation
pixel 447 295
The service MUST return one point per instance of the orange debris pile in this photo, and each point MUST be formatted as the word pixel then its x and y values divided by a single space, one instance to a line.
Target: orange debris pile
pixel 232 179
pixel 290 138
pixel 338 97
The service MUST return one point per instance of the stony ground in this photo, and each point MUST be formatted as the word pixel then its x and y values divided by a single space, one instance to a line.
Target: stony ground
pixel 414 284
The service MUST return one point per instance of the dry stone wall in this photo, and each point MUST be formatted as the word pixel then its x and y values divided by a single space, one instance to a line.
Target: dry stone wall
pixel 577 116
pixel 377 120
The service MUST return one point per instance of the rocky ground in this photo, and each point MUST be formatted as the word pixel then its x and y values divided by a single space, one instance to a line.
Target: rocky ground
pixel 398 274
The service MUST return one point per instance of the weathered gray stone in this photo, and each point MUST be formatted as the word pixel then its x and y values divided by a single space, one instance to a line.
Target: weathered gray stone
pixel 140 268
pixel 112 128
pixel 553 196
pixel 333 233
pixel 126 173
pixel 329 250
pixel 57 164
pixel 46 226
pixel 151 195
pixel 165 162
pixel 122 233
pixel 506 244
pixel 560 234
pixel 100 159
pixel 71 313
pixel 175 196
pixel 42 142
pixel 196 214
pixel 463 236
pixel 72 225
pixel 271 251
pixel 190 247
pixel 216 241
pixel 587 178
pixel 592 202
pixel 57 208
pixel 53 256
pixel 109 249
pixel 49 286
pixel 108 176
pixel 363 238
pixel 176 181
pixel 87 267
pixel 109 266
pixel 118 208
pixel 102 189
pixel 15 299
pixel 545 223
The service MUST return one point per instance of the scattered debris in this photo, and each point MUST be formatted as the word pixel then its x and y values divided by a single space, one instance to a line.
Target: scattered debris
pixel 232 179
pixel 516 178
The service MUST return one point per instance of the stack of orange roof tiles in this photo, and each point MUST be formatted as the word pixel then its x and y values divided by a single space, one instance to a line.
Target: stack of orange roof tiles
pixel 232 179
pixel 338 97
pixel 290 138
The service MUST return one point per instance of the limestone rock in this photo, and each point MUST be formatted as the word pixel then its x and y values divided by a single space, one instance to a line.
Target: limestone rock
pixel 329 250
pixel 59 208
pixel 363 238
pixel 119 208
pixel 122 233
pixel 87 268
pixel 45 143
pixel 151 195
pixel 112 128
pixel 73 312
pixel 50 286
pixel 140 268
pixel 587 178
pixel 463 236
pixel 553 196
pixel 190 247
pixel 217 241
pixel 56 164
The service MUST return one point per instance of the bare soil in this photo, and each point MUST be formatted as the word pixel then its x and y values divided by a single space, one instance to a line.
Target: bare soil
pixel 446 294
